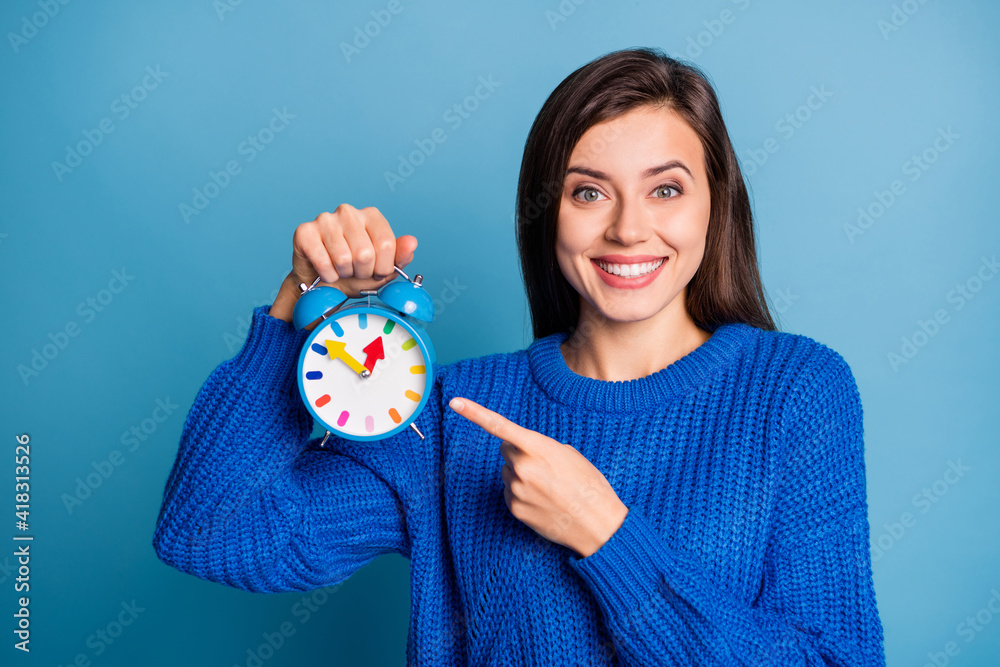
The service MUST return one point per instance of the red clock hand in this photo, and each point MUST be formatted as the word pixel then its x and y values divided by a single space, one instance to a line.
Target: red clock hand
pixel 375 352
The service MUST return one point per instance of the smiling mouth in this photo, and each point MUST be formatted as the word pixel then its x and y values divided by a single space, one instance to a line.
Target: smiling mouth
pixel 629 270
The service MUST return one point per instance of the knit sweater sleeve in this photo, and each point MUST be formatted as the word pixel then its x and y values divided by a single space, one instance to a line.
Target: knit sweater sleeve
pixel 252 503
pixel 816 605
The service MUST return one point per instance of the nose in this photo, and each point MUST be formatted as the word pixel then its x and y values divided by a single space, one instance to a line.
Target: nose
pixel 629 224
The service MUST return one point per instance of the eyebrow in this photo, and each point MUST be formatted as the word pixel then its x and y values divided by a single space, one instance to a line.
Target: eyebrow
pixel 652 171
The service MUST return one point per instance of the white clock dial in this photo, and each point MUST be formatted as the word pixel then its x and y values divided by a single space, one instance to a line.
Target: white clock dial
pixel 331 374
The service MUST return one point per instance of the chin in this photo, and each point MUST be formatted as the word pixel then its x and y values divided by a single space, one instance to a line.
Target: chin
pixel 632 312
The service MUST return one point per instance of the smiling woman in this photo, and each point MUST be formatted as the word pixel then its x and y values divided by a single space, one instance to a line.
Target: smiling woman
pixel 629 240
pixel 680 482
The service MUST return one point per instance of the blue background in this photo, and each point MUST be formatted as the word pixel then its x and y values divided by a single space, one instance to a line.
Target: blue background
pixel 889 89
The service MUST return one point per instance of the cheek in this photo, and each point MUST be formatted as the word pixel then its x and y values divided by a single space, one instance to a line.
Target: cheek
pixel 564 258
pixel 691 235
pixel 691 243
pixel 693 240
pixel 569 255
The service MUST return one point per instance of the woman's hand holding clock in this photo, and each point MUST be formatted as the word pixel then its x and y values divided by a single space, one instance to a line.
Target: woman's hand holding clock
pixel 351 249
pixel 550 486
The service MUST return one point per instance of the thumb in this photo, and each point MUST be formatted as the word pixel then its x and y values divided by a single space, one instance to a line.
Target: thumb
pixel 405 245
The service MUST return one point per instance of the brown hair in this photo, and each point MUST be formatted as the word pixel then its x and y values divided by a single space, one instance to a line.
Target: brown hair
pixel 726 287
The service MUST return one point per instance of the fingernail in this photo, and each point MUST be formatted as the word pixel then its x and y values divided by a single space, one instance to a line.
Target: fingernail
pixel 457 404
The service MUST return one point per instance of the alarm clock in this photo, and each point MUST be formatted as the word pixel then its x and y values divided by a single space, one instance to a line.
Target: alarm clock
pixel 366 370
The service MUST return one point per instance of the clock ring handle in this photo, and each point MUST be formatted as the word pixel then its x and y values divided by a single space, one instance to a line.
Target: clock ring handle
pixel 306 289
pixel 416 281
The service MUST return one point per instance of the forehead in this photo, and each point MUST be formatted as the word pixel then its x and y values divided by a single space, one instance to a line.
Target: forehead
pixel 640 138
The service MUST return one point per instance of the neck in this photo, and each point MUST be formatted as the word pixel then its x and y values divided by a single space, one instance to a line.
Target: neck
pixel 609 350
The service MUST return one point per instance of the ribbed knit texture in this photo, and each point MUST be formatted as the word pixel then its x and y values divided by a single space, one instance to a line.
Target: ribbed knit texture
pixel 742 465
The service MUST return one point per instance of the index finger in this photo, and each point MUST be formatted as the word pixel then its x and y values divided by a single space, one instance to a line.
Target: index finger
pixel 491 422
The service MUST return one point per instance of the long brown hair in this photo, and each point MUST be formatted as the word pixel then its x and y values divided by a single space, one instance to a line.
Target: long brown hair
pixel 726 287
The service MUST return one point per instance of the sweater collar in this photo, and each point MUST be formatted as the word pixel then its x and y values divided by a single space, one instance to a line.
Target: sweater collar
pixel 548 366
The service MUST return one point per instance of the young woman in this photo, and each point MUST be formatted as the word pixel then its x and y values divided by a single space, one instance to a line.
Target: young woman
pixel 660 478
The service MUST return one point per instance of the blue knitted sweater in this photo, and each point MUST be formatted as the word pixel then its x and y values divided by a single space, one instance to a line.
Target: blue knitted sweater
pixel 742 465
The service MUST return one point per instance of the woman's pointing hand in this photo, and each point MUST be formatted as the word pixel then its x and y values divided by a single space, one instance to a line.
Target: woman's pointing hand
pixel 550 486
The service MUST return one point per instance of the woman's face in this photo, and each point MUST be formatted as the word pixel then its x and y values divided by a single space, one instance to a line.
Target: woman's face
pixel 634 214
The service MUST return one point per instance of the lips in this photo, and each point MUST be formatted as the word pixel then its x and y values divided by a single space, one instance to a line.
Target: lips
pixel 628 259
pixel 629 270
pixel 628 282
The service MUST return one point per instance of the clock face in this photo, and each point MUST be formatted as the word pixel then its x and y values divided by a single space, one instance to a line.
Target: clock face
pixel 339 350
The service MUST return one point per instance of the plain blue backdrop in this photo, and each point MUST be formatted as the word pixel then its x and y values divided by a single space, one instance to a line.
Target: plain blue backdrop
pixel 867 132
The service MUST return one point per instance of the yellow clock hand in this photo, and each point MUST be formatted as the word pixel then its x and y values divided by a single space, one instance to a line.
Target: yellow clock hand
pixel 337 351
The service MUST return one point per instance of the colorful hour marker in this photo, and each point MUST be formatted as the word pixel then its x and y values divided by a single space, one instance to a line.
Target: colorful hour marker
pixel 412 395
pixel 389 324
pixel 342 419
pixel 395 415
pixel 337 329
pixel 409 343
pixel 314 375
pixel 319 349
pixel 362 320
pixel 322 400
pixel 418 370
pixel 369 423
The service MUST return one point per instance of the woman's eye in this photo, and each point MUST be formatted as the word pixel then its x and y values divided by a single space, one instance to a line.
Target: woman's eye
pixel 664 188
pixel 589 194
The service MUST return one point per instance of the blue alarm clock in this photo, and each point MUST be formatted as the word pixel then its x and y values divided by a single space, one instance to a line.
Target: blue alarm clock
pixel 366 370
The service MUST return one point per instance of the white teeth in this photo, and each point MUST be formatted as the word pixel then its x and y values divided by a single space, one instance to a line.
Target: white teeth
pixel 630 270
